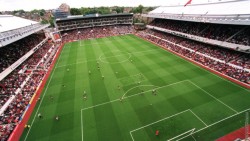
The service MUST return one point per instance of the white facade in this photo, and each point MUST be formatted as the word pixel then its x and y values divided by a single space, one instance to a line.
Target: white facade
pixel 14 28
pixel 228 12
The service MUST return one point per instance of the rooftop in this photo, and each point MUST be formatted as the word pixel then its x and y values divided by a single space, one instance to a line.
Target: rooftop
pixel 9 22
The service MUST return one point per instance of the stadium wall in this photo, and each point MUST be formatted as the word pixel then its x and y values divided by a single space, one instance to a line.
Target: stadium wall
pixel 17 132
pixel 205 67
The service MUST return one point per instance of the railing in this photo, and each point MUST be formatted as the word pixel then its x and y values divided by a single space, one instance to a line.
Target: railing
pixel 20 61
pixel 9 37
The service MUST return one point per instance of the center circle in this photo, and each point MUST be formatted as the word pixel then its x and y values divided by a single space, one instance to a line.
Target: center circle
pixel 115 57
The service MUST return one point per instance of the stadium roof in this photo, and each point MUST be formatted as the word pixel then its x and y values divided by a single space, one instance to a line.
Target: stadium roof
pixel 225 12
pixel 9 22
pixel 236 7
pixel 93 16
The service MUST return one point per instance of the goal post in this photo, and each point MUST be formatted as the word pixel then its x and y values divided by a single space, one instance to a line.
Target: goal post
pixel 182 135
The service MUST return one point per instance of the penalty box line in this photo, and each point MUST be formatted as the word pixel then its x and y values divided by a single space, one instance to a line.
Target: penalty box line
pixel 170 116
pixel 213 96
pixel 160 88
pixel 217 122
pixel 119 100
pixel 132 95
pixel 188 110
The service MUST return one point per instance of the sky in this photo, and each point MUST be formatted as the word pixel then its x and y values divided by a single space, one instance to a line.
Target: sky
pixel 27 5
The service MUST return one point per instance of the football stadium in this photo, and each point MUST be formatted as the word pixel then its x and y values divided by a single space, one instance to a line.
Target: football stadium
pixel 182 73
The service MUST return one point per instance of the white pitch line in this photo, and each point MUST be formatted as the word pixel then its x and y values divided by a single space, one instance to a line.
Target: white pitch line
pixel 193 137
pixel 81 62
pixel 81 125
pixel 100 58
pixel 207 126
pixel 113 55
pixel 130 53
pixel 107 42
pixel 131 96
pixel 136 87
pixel 213 96
pixel 43 95
pixel 159 120
pixel 198 117
pixel 131 136
pixel 222 120
pixel 191 130
pixel 219 121
pixel 100 104
pixel 187 60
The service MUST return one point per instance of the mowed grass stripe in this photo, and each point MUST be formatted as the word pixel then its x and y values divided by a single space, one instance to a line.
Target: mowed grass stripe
pixel 121 72
pixel 141 112
pixel 141 63
pixel 65 102
pixel 40 126
pixel 100 95
pixel 138 110
pixel 124 72
pixel 215 86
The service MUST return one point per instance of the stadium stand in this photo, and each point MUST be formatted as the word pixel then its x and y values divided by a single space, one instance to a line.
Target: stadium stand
pixel 24 60
pixel 80 22
pixel 226 50
pixel 11 31
pixel 237 34
pixel 21 84
pixel 216 58
pixel 27 60
pixel 95 26
pixel 224 24
pixel 12 52
pixel 96 32
pixel 215 35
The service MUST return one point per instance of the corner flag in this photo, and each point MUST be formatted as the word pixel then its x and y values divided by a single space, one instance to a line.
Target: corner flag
pixel 189 2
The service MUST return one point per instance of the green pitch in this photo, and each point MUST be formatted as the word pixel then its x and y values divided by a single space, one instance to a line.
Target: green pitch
pixel 118 103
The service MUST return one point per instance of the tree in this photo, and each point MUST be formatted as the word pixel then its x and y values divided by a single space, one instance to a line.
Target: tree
pixel 103 10
pixel 150 9
pixel 21 11
pixel 140 8
pixel 119 9
pixel 75 11
pixel 42 12
pixel 34 11
pixel 100 10
pixel 44 21
pixel 50 21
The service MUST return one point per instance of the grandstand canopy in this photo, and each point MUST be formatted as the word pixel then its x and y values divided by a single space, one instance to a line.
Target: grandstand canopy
pixel 80 17
pixel 9 22
pixel 239 7
pixel 222 12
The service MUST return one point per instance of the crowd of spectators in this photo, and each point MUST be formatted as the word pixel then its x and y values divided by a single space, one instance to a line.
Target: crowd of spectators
pixel 238 34
pixel 22 83
pixel 96 32
pixel 12 52
pixel 216 58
